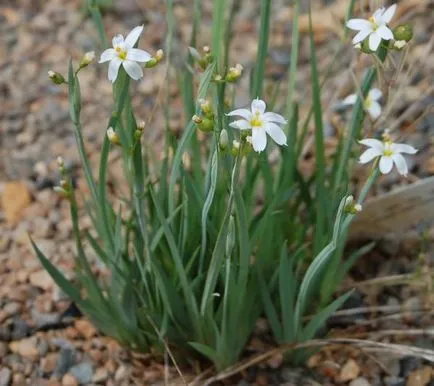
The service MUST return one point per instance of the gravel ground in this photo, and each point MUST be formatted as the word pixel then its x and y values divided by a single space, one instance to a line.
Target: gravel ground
pixel 43 339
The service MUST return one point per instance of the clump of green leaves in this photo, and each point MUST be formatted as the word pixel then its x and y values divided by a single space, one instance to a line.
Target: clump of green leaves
pixel 197 244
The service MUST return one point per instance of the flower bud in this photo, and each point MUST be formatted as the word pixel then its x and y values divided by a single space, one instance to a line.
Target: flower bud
pixel 62 192
pixel 206 49
pixel 141 125
pixel 56 77
pixel 403 32
pixel 234 73
pixel 223 139
pixel 235 150
pixel 155 59
pixel 113 137
pixel 399 44
pixel 351 206
pixel 197 119
pixel 206 107
pixel 364 47
pixel 60 162
pixel 88 58
pixel 64 184
pixel 206 125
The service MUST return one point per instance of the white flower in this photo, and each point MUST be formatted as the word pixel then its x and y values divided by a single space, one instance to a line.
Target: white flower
pixel 123 52
pixel 260 123
pixel 389 153
pixel 370 104
pixel 376 28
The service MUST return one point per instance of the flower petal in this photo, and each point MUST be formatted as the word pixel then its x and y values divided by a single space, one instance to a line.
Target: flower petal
pixel 374 41
pixel 403 148
pixel 385 33
pixel 133 36
pixel 117 40
pixel 138 55
pixel 388 15
pixel 361 35
pixel 375 94
pixel 359 24
pixel 276 133
pixel 246 114
pixel 114 69
pixel 374 143
pixel 107 55
pixel 350 99
pixel 259 139
pixel 386 164
pixel 374 110
pixel 400 163
pixel 258 105
pixel 133 69
pixel 273 117
pixel 378 15
pixel 241 124
pixel 369 155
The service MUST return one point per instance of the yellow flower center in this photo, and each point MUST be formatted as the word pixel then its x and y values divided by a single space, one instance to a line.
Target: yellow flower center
pixel 373 22
pixel 122 54
pixel 256 121
pixel 368 102
pixel 388 152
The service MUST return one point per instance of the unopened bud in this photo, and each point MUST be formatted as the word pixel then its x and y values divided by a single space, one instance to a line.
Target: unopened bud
pixel 386 136
pixel 62 192
pixel 235 147
pixel 223 139
pixel 64 184
pixel 88 58
pixel 60 162
pixel 197 119
pixel 205 106
pixel 206 125
pixel 403 32
pixel 399 45
pixel 364 47
pixel 206 49
pixel 155 59
pixel 351 206
pixel 56 77
pixel 218 78
pixel 141 125
pixel 113 137
pixel 234 73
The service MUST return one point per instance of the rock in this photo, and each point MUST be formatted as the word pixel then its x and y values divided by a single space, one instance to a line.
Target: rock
pixel 44 319
pixel 393 381
pixel 85 328
pixel 26 348
pixel 19 380
pixel 121 373
pixel 3 349
pixel 41 279
pixel 349 371
pixel 48 363
pixel 82 372
pixel 101 375
pixel 420 377
pixel 409 364
pixel 5 376
pixel 66 360
pixel 69 380
pixel 361 381
pixel 15 198
pixel 20 329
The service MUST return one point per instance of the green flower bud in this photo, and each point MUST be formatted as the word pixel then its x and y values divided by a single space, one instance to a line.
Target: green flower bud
pixel 88 58
pixel 364 47
pixel 206 107
pixel 56 77
pixel 403 32
pixel 223 139
pixel 234 73
pixel 206 125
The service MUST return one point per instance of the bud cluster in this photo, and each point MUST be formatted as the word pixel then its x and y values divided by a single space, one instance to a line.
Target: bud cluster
pixel 204 121
pixel 64 189
pixel 156 58
pixel 202 59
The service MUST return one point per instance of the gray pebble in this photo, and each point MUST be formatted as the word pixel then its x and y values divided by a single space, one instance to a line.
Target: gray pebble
pixel 83 372
pixel 5 376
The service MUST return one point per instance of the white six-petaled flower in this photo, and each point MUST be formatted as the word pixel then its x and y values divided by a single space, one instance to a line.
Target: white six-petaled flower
pixel 123 53
pixel 376 28
pixel 390 153
pixel 370 104
pixel 260 123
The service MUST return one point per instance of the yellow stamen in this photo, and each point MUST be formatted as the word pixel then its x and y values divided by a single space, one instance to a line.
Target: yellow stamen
pixel 388 152
pixel 121 53
pixel 256 120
